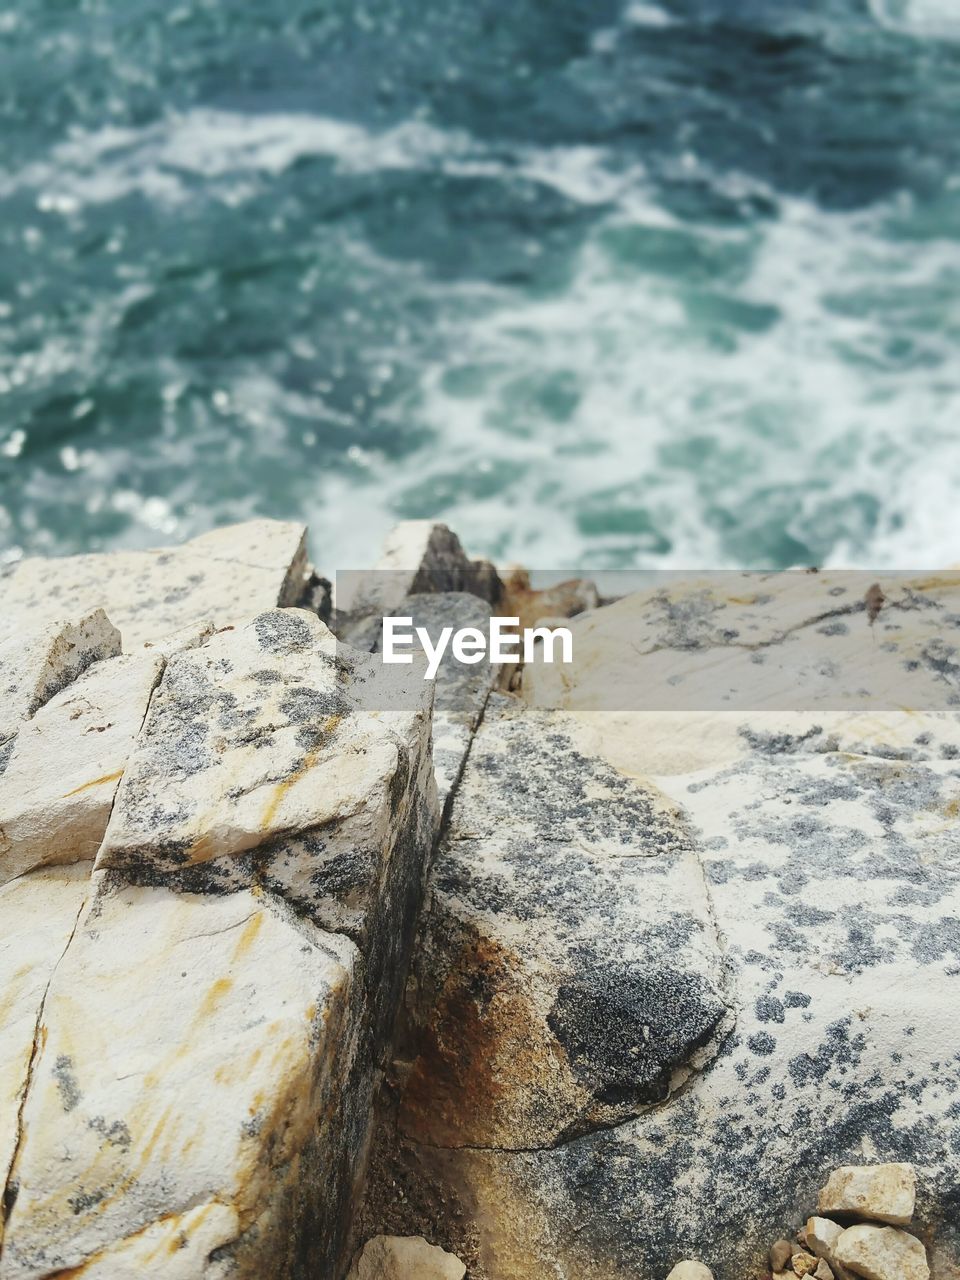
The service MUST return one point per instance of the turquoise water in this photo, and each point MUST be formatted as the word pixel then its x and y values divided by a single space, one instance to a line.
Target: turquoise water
pixel 670 284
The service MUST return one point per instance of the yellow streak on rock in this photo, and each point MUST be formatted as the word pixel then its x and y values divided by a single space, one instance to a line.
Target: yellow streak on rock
pixel 248 936
pixel 97 782
pixel 283 788
pixel 217 992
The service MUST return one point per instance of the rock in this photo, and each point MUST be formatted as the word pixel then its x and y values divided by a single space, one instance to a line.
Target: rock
pixel 419 557
pixel 828 847
pixel 405 1258
pixel 780 1254
pixel 460 691
pixel 882 1253
pixel 670 676
pixel 188 637
pixel 803 1264
pixel 37 659
pixel 823 1270
pixel 38 914
pixel 567 975
pixel 560 600
pixel 821 1235
pixel 224 1069
pixel 246 741
pixel 690 1271
pixel 57 791
pixel 225 576
pixel 883 1192
pixel 188 1073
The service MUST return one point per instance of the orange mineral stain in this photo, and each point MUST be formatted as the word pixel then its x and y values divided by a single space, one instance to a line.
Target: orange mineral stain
pixel 97 782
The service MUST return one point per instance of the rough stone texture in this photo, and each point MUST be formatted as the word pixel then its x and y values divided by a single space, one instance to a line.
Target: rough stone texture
pixel 697 675
pixel 38 658
pixel 226 1082
pixel 828 839
pixel 820 1236
pixel 780 1254
pixel 57 791
pixel 224 576
pixel 460 690
pixel 246 742
pixel 882 1253
pixel 38 913
pixel 568 973
pixel 187 1076
pixel 418 557
pixel 405 1258
pixel 883 1192
pixel 690 1271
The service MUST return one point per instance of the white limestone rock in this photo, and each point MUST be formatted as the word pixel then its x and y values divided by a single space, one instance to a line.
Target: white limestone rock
pixel 188 637
pixel 567 974
pixel 38 914
pixel 690 1271
pixel 460 690
pixel 831 864
pixel 57 791
pixel 259 733
pixel 225 576
pixel 405 1258
pixel 882 1253
pixel 694 675
pixel 202 1076
pixel 199 1053
pixel 882 1192
pixel 821 1236
pixel 40 657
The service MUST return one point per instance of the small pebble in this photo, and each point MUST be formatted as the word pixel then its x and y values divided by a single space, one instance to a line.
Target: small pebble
pixel 803 1264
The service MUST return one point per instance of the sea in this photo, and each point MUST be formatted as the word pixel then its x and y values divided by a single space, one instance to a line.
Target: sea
pixel 599 284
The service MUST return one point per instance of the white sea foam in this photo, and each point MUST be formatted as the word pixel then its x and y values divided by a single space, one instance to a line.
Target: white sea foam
pixel 939 19
pixel 647 15
pixel 813 410
pixel 670 411
pixel 160 161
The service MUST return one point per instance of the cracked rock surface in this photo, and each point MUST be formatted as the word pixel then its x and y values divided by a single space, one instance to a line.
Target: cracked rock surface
pixel 824 822
pixel 672 962
pixel 225 576
pixel 195 1007
pixel 568 971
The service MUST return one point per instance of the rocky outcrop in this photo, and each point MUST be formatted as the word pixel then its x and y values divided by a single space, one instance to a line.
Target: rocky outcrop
pixel 195 1012
pixel 39 914
pixel 659 964
pixel 57 792
pixel 225 576
pixel 39 659
pixel 568 974
pixel 822 819
pixel 419 557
